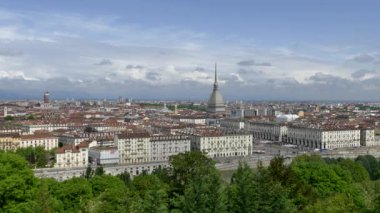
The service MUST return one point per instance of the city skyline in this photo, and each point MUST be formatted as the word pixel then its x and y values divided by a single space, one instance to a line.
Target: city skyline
pixel 166 50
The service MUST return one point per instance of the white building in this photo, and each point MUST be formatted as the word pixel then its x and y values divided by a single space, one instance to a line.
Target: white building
pixel 234 124
pixel 323 138
pixel 31 128
pixel 221 145
pixel 141 147
pixel 162 147
pixel 267 131
pixel 47 141
pixel 72 156
pixel 367 137
pixel 133 148
pixel 102 155
pixel 189 120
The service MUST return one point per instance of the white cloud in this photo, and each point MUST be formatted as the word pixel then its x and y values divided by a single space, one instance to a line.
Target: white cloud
pixel 63 48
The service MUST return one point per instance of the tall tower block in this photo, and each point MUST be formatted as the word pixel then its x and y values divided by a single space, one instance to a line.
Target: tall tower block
pixel 46 97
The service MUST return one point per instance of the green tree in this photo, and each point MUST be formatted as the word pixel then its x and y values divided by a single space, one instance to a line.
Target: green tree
pixel 357 171
pixel 36 156
pixel 45 202
pixel 99 171
pixel 101 183
pixel 110 201
pixel 313 171
pixel 203 194
pixel 9 118
pixel 242 190
pixel 17 184
pixel 74 193
pixel 125 177
pixel 278 171
pixel 371 164
pixel 150 194
pixel 89 173
pixel 186 167
pixel 336 203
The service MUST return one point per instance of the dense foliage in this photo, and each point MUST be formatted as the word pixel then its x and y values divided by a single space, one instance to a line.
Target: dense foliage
pixel 37 157
pixel 193 184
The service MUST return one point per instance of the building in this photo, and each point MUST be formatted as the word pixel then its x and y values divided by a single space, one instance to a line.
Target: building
pixel 11 130
pixel 9 141
pixel 142 147
pixel 162 147
pixel 104 155
pixel 46 98
pixel 193 120
pixel 48 141
pixel 267 131
pixel 367 137
pixel 72 156
pixel 72 139
pixel 215 103
pixel 31 128
pixel 323 138
pixel 234 124
pixel 217 144
pixel 133 147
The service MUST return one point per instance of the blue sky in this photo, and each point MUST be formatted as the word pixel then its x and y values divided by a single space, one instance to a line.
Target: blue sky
pixel 276 50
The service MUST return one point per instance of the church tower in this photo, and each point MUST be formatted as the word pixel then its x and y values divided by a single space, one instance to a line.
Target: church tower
pixel 215 102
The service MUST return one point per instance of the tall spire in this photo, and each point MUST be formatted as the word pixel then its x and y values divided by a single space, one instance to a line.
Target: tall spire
pixel 216 78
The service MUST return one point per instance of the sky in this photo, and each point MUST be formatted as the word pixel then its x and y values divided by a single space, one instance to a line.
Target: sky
pixel 265 50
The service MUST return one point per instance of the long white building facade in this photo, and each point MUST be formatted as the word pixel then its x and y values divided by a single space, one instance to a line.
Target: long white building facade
pixel 323 138
pixel 267 131
pixel 141 147
pixel 220 145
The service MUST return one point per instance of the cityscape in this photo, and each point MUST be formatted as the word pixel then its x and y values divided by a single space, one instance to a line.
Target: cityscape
pixel 102 111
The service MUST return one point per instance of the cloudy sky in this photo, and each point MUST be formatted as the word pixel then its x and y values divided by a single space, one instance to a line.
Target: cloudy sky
pixel 265 50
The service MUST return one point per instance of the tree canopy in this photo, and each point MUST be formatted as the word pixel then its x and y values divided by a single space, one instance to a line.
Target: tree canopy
pixel 193 184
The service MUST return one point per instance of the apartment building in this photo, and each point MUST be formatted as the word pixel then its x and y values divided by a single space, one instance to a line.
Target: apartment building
pixel 367 137
pixel 267 131
pixel 9 141
pixel 142 147
pixel 235 124
pixel 217 144
pixel 133 147
pixel 72 156
pixel 324 138
pixel 31 128
pixel 48 141
pixel 162 147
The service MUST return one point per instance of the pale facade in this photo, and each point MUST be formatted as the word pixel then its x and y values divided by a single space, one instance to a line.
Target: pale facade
pixel 133 148
pixel 72 156
pixel 367 137
pixel 223 145
pixel 10 141
pixel 140 148
pixel 324 138
pixel 47 141
pixel 198 121
pixel 30 129
pixel 162 147
pixel 103 155
pixel 232 124
pixel 267 131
